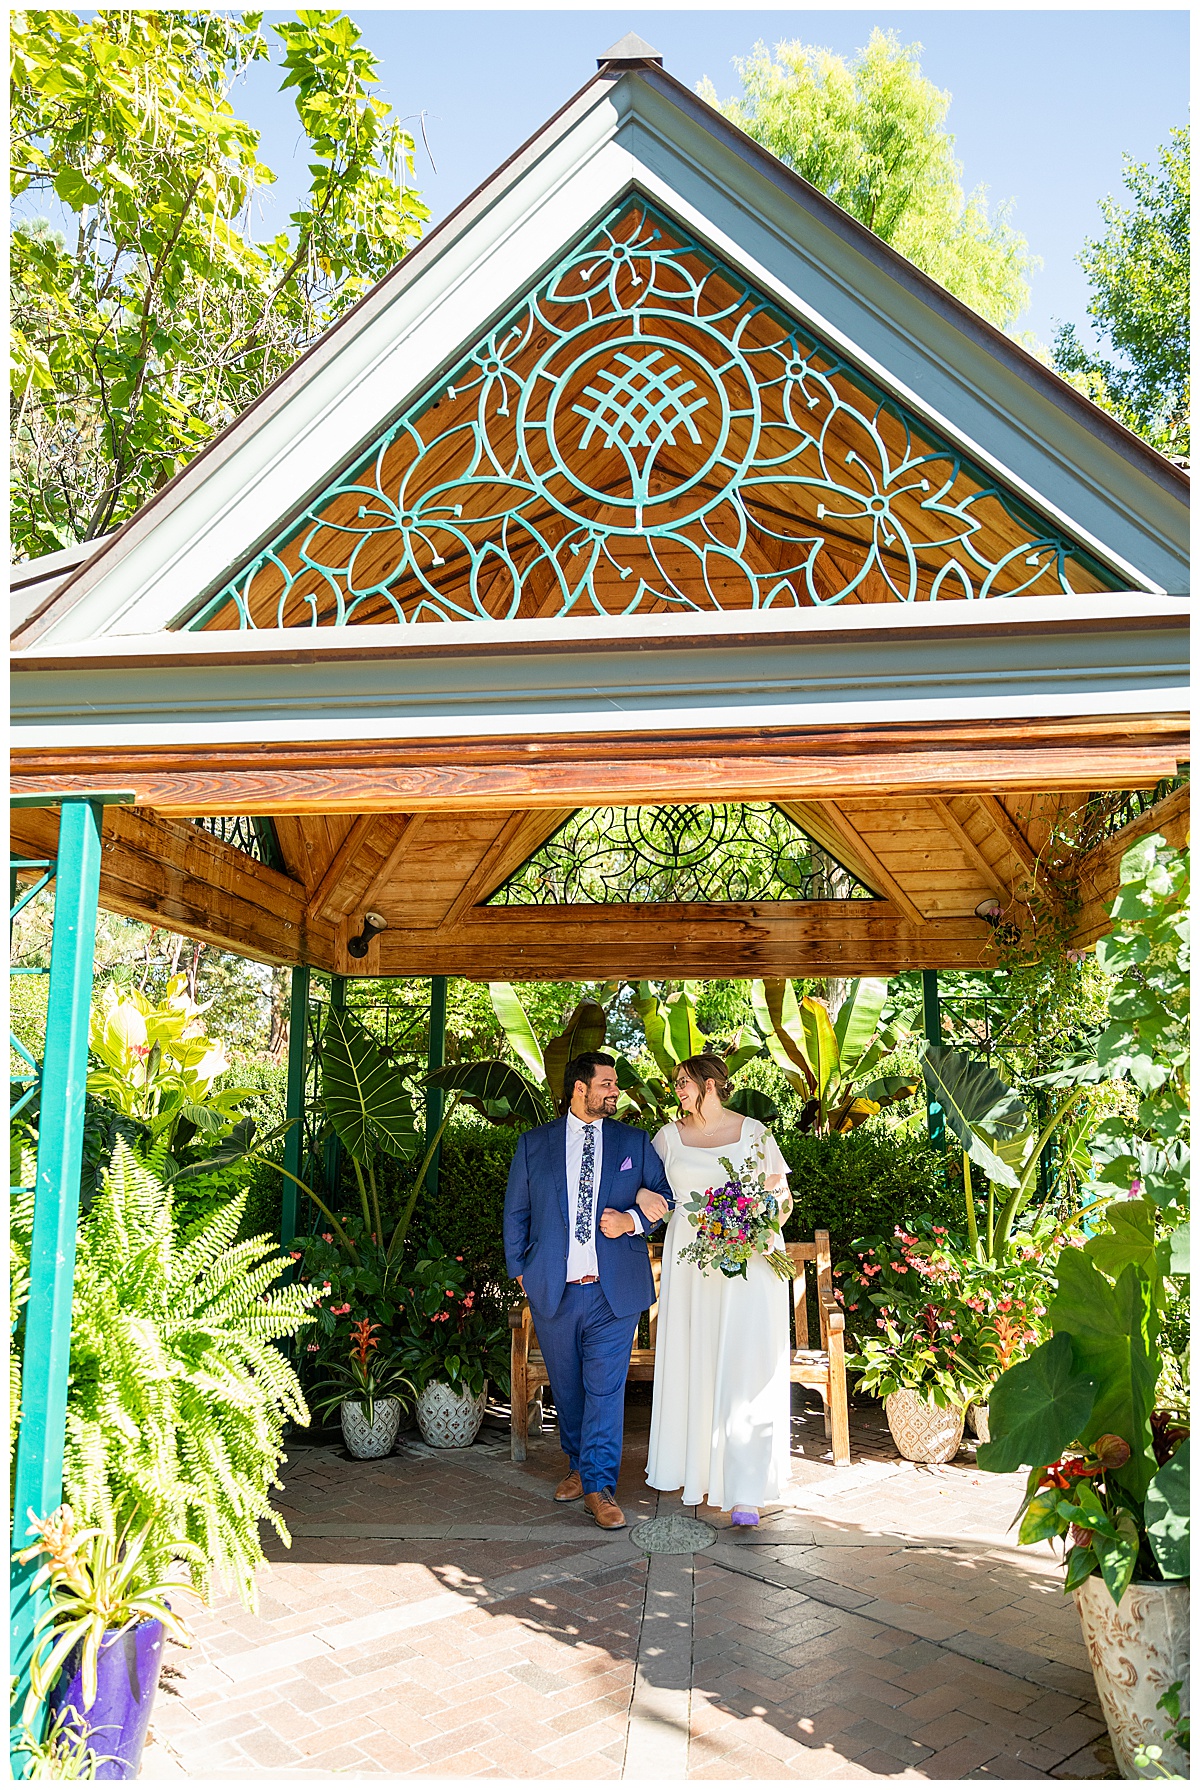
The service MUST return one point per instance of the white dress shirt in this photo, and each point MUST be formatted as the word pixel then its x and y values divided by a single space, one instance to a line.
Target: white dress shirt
pixel 581 1257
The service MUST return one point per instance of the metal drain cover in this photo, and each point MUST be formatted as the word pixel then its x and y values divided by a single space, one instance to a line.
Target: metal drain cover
pixel 672 1535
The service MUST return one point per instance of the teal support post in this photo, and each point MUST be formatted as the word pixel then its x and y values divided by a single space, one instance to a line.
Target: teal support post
pixel 333 1143
pixel 435 1098
pixel 62 1088
pixel 293 1145
pixel 933 1035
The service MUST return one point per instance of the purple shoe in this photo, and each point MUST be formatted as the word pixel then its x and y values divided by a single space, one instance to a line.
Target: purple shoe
pixel 743 1518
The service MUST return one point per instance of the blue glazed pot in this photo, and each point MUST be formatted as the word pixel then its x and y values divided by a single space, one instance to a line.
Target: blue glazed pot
pixel 116 1725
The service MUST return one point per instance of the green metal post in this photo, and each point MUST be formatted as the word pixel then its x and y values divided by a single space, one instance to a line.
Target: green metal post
pixel 333 1143
pixel 435 1099
pixel 63 1087
pixel 933 1035
pixel 293 1145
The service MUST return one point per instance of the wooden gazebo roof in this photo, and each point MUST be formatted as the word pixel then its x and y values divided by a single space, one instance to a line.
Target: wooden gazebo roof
pixel 650 477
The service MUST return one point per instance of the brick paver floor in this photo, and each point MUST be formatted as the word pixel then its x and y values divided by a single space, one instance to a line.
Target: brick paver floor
pixel 438 1615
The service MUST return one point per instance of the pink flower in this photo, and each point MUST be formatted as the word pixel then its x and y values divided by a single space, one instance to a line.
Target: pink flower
pixel 955 1337
pixel 327 1236
pixel 458 1258
pixel 312 1348
pixel 339 1311
pixel 881 1323
pixel 295 1254
pixel 326 1288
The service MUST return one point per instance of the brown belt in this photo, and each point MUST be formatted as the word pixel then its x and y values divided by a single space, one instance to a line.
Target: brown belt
pixel 585 1280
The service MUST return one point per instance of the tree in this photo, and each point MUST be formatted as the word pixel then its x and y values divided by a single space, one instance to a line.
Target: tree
pixel 871 134
pixel 1139 273
pixel 156 318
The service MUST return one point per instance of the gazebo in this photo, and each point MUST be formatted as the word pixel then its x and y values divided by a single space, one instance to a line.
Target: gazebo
pixel 654 575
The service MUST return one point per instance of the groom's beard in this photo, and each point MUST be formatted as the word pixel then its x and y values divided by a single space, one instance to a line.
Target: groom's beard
pixel 603 1108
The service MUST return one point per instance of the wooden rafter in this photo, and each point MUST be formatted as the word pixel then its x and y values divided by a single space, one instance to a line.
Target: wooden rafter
pixel 336 869
pixel 518 838
pixel 1004 824
pixel 410 826
pixel 879 874
pixel 953 825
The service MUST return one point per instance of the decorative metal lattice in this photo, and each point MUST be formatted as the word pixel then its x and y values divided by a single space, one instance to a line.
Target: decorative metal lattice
pixel 646 431
pixel 251 833
pixel 736 851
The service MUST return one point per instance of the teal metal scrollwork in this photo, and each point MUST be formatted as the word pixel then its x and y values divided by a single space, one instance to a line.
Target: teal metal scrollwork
pixel 644 432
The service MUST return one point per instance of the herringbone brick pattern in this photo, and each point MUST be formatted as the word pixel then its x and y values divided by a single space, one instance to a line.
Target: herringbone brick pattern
pixel 871 1636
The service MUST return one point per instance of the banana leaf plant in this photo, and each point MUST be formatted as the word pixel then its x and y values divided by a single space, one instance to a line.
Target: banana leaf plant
pixel 827 1060
pixel 672 1035
pixel 990 1122
pixel 585 1029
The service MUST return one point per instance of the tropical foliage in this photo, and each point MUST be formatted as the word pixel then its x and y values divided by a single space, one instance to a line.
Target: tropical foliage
pixel 871 133
pixel 154 318
pixel 1091 1412
pixel 447 1331
pixel 179 1394
pixel 368 1374
pixel 826 1060
pixel 585 1028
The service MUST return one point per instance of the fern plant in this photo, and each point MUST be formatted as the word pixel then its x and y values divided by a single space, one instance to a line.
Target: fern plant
pixel 179 1395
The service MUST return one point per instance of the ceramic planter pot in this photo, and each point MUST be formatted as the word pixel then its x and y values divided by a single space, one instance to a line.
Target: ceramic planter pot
pixel 977 1417
pixel 116 1725
pixel 450 1419
pixel 921 1431
pixel 369 1441
pixel 1138 1649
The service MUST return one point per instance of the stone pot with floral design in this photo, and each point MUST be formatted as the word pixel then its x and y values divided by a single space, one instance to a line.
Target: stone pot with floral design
pixel 1138 1648
pixel 450 1417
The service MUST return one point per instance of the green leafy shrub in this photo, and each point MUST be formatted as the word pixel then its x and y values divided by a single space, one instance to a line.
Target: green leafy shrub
pixel 179 1395
pixel 862 1184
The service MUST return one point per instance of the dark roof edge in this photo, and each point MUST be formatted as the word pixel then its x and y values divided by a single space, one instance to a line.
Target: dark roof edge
pixel 905 272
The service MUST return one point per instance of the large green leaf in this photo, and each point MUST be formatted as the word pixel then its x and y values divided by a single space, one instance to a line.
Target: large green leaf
pixel 585 1030
pixel 820 1044
pixel 496 1090
pixel 974 1100
pixel 778 1014
pixel 649 1010
pixel 754 1103
pixel 1113 1338
pixel 365 1097
pixel 1174 1251
pixel 1037 1409
pixel 686 1038
pixel 1168 1515
pixel 1128 1236
pixel 506 1004
pixel 857 1018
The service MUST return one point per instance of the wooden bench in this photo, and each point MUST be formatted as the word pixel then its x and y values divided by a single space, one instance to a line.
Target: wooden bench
pixel 823 1369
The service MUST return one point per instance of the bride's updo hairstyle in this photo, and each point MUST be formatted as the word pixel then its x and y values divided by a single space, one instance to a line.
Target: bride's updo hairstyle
pixel 705 1068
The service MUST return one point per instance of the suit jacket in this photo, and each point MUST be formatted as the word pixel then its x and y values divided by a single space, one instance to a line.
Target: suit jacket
pixel 535 1216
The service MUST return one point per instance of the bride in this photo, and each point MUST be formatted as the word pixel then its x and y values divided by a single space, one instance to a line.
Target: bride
pixel 720 1425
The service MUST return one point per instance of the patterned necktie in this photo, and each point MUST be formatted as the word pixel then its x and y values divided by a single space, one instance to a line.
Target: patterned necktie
pixel 583 1210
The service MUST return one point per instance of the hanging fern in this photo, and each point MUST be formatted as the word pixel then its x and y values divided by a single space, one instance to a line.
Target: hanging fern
pixel 179 1395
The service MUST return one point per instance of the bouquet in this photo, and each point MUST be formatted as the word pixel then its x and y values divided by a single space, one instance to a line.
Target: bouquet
pixel 735 1221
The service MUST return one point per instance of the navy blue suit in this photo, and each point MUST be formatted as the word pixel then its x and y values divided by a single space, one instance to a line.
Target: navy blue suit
pixel 585 1332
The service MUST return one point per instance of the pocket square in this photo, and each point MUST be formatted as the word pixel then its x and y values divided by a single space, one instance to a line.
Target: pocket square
pixel 628 1163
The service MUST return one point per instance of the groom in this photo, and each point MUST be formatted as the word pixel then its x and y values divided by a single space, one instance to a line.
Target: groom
pixel 587 1282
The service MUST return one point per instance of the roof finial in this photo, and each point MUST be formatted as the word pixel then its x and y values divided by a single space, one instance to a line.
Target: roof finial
pixel 631 52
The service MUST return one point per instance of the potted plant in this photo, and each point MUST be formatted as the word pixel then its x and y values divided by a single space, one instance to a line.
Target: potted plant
pixel 100 1650
pixel 923 1363
pixel 453 1343
pixel 369 1391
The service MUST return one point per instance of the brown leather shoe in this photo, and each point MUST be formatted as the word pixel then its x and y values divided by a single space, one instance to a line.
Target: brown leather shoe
pixel 604 1510
pixel 569 1489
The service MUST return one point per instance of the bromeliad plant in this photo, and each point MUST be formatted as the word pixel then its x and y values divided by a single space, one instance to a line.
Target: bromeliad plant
pixel 365 1377
pixel 101 1582
pixel 448 1332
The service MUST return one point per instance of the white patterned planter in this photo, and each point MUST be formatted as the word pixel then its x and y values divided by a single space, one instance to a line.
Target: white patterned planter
pixel 977 1417
pixel 450 1419
pixel 368 1441
pixel 1138 1649
pixel 923 1432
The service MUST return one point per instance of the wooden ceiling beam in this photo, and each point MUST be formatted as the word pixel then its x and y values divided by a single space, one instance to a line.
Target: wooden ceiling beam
pixel 518 839
pixel 336 869
pixel 1004 824
pixel 955 827
pixel 410 826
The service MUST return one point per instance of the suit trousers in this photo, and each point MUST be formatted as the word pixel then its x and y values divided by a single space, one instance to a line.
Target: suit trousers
pixel 586 1350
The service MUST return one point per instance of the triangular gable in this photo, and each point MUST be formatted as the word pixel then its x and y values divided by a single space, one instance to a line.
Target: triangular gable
pixel 633 130
pixel 646 431
pixel 680 852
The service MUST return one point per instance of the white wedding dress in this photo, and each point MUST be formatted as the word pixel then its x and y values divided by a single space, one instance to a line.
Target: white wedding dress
pixel 720 1425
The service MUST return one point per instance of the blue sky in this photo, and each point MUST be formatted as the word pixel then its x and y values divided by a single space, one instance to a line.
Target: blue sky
pixel 1044 104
